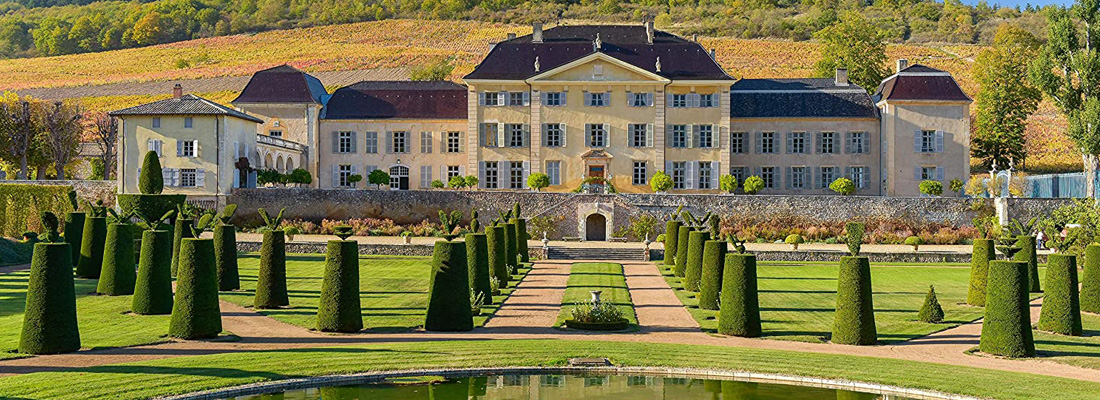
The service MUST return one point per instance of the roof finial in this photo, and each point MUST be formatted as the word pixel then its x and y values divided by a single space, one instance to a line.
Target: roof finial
pixel 536 63
pixel 598 43
pixel 658 65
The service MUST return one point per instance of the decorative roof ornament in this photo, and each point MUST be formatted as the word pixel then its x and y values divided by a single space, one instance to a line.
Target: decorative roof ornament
pixel 598 43
pixel 537 64
pixel 658 64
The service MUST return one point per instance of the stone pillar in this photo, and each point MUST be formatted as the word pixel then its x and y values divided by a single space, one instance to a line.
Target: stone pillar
pixel 659 130
pixel 536 131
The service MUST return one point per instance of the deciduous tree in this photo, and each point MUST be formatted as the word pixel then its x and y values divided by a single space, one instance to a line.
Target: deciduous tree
pixel 63 131
pixel 854 43
pixel 1004 101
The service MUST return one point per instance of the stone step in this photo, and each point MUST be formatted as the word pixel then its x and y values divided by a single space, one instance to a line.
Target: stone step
pixel 595 253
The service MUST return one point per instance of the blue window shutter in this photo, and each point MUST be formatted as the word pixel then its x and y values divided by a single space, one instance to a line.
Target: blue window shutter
pixel 917 173
pixel 526 98
pixel 759 142
pixel 630 99
pixel 790 142
pixel 526 135
pixel 818 143
pixel 939 141
pixel 939 174
pixel 389 142
pixel 916 141
pixel 481 98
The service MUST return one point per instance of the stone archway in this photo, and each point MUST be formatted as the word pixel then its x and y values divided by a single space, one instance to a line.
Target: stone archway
pixel 267 161
pixel 289 164
pixel 598 213
pixel 279 165
pixel 595 226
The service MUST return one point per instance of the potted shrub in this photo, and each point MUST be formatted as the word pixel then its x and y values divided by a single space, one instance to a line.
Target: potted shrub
pixel 406 237
pixel 914 241
pixel 793 240
pixel 597 316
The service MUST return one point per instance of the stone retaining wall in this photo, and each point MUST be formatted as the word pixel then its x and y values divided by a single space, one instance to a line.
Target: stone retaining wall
pixel 834 256
pixel 422 250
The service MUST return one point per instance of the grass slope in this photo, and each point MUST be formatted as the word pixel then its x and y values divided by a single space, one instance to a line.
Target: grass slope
pixel 14 252
pixel 586 277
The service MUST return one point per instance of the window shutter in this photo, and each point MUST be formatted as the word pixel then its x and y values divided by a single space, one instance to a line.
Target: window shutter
pixel 166 175
pixel 335 176
pixel 564 133
pixel 848 174
pixel 542 97
pixel 500 135
pixel 668 99
pixel 848 142
pixel 502 98
pixel 587 99
pixel 715 173
pixel 526 172
pixel 691 168
pixel 526 98
pixel 939 141
pixel 150 145
pixel 462 141
pixel 236 150
pixel 481 98
pixel 668 136
pixel 389 142
pixel 939 174
pixel 866 143
pixel 648 135
pixel 563 97
pixel 481 174
pixel 629 99
pixel 790 142
pixel 694 140
pixel 200 178
pixel 606 135
pixel 916 141
pixel 443 175
pixel 526 134
pixel 696 100
pixel 789 181
pixel 179 148
pixel 668 168
pixel 649 100
pixel 545 134
pixel 462 170
pixel 481 135
pixel 916 173
pixel 588 135
pixel 354 142
pixel 759 142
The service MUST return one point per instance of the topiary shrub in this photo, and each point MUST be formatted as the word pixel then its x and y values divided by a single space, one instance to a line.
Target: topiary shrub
pixel 338 308
pixel 710 280
pixel 672 229
pixel 1090 283
pixel 498 249
pixel 1029 255
pixel 931 188
pixel 1061 311
pixel 271 283
pixel 521 240
pixel 151 180
pixel 854 320
pixel 153 290
pixel 225 256
pixel 93 239
pixel 195 310
pixel 793 240
pixel 49 319
pixel 511 244
pixel 150 204
pixel 181 230
pixel 930 312
pixel 119 274
pixel 74 229
pixel 477 260
pixel 449 289
pixel 694 267
pixel 843 186
pixel 740 306
pixel 980 257
pixel 1006 329
pixel 914 241
pixel 854 237
pixel 753 185
pixel 682 237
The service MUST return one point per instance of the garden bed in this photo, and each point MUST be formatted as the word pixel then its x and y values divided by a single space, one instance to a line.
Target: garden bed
pixel 597 326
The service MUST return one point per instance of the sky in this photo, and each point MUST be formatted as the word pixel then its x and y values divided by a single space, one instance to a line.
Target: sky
pixel 1021 3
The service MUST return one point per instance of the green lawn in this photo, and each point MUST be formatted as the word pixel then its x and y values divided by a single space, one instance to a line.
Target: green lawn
pixel 586 277
pixel 394 290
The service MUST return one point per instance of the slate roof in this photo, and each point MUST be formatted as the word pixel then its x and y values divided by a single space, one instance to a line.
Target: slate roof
pixel 282 84
pixel 680 59
pixel 799 98
pixel 188 104
pixel 919 82
pixel 397 99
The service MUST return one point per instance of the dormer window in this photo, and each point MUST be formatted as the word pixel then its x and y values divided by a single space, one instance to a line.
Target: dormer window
pixel 597 71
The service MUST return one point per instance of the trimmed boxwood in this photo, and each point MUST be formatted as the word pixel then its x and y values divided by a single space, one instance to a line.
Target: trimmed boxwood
pixel 119 271
pixel 93 238
pixel 521 239
pixel 511 244
pixel 151 181
pixel 153 291
pixel 338 308
pixel 150 205
pixel 672 229
pixel 854 320
pixel 449 289
pixel 1006 329
pixel 710 280
pixel 477 259
pixel 980 257
pixel 195 310
pixel 271 282
pixel 498 249
pixel 681 251
pixel 1030 256
pixel 930 312
pixel 597 326
pixel 49 322
pixel 182 230
pixel 694 266
pixel 1090 283
pixel 225 255
pixel 1061 305
pixel 740 311
pixel 74 229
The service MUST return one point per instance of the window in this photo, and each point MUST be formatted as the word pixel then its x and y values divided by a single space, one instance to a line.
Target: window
pixel 860 176
pixel 187 148
pixel 928 174
pixel 767 143
pixel 827 143
pixel 597 135
pixel 454 142
pixel 928 141
pixel 188 122
pixel 344 171
pixel 553 170
pixel 396 173
pixel 277 134
pixel 597 71
pixel 554 99
pixel 517 98
pixel 491 98
pixel 600 99
pixel 737 143
pixel 555 134
pixel 639 173
pixel 768 175
pixel 705 174
pixel 679 174
pixel 488 133
pixel 345 142
pixel 515 135
pixel 640 99
pixel 796 143
pixel 681 100
pixel 156 145
pixel 189 177
pixel 679 136
pixel 426 142
pixel 400 142
pixel 639 135
pixel 860 143
pixel 551 380
pixel 156 122
pixel 828 175
pixel 705 135
pixel 797 178
pixel 515 175
pixel 739 173
pixel 372 142
pixel 453 171
pixel 708 100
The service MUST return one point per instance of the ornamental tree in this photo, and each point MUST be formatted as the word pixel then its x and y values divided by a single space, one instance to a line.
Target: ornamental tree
pixel 378 177
pixel 753 185
pixel 538 181
pixel 660 182
pixel 931 188
pixel 727 183
pixel 843 186
pixel 456 182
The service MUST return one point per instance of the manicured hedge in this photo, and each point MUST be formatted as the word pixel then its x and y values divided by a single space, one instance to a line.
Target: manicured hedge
pixel 854 321
pixel 498 250
pixel 681 251
pixel 119 272
pixel 982 254
pixel 339 309
pixel 49 322
pixel 153 291
pixel 477 259
pixel 511 244
pixel 1006 329
pixel 74 230
pixel 1090 283
pixel 931 311
pixel 182 231
pixel 225 255
pixel 195 311
pixel 1030 256
pixel 710 280
pixel 449 289
pixel 271 282
pixel 150 205
pixel 21 202
pixel 151 180
pixel 93 238
pixel 672 230
pixel 1061 305
pixel 521 239
pixel 694 266
pixel 740 312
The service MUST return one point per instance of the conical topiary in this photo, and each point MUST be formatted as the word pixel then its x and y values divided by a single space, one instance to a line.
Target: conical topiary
pixel 1061 311
pixel 153 291
pixel 1006 329
pixel 477 260
pixel 195 311
pixel 710 281
pixel 1029 255
pixel 271 289
pixel 1090 282
pixel 672 229
pixel 521 240
pixel 151 179
pixel 980 258
pixel 225 255
pixel 74 230
pixel 930 312
pixel 449 289
pixel 693 269
pixel 49 319
pixel 93 238
pixel 680 267
pixel 854 320
pixel 740 307
pixel 119 273
pixel 338 308
pixel 498 249
pixel 182 230
pixel 511 243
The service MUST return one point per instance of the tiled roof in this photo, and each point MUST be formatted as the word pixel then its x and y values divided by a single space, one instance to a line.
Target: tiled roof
pixel 397 99
pixel 188 104
pixel 282 84
pixel 919 82
pixel 680 59
pixel 799 98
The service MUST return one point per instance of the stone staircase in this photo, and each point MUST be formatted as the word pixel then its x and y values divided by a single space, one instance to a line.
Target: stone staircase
pixel 596 253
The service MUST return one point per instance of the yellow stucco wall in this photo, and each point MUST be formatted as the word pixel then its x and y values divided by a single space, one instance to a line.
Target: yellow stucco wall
pixel 901 121
pixel 413 159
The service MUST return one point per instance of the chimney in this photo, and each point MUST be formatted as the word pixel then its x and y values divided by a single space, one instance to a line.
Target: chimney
pixel 177 91
pixel 902 64
pixel 511 36
pixel 842 77
pixel 536 32
pixel 649 32
pixel 713 56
